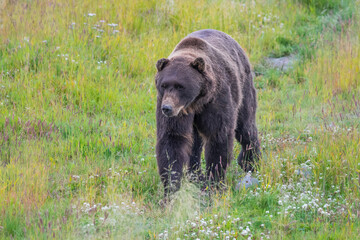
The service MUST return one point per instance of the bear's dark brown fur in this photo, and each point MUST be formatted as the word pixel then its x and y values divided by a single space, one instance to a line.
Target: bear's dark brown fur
pixel 206 97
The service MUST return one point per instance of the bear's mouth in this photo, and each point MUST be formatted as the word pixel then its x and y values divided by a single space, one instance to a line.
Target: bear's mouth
pixel 171 111
pixel 171 107
pixel 175 111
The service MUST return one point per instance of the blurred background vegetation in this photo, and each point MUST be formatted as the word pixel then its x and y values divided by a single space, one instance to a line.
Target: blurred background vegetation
pixel 77 120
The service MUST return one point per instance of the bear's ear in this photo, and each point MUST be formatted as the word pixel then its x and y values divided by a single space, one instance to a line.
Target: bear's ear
pixel 161 63
pixel 198 64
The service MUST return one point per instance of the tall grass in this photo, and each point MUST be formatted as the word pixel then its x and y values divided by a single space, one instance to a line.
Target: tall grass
pixel 332 58
pixel 77 121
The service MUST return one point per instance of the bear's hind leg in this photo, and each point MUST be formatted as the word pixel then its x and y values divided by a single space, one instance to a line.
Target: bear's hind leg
pixel 250 152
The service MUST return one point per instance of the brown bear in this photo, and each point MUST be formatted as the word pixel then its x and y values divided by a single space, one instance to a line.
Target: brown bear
pixel 206 97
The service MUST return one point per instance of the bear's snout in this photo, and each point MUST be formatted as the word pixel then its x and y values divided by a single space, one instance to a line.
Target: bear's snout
pixel 167 110
pixel 170 105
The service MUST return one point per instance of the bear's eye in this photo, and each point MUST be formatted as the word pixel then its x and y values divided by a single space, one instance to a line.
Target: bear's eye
pixel 163 86
pixel 178 87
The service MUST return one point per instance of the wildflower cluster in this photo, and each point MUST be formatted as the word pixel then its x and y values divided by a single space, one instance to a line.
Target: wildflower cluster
pixel 213 227
pixel 264 22
pixel 301 196
pixel 304 199
pixel 269 140
pixel 98 215
pixel 100 27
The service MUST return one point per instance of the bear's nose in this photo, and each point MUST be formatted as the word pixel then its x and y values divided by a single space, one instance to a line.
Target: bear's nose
pixel 167 110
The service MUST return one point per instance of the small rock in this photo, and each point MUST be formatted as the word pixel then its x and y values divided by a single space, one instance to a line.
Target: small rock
pixel 247 181
pixel 304 171
pixel 282 63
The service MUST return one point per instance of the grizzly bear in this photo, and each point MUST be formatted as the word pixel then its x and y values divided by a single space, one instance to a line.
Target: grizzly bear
pixel 206 98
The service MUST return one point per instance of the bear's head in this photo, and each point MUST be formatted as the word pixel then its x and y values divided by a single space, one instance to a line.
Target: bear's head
pixel 180 83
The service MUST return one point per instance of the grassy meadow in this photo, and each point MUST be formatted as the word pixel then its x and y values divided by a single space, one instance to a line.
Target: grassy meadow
pixel 77 120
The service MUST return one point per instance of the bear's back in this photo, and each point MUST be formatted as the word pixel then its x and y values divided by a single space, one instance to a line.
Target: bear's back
pixel 224 45
pixel 216 39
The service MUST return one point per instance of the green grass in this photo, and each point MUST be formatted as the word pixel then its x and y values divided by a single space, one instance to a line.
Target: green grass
pixel 77 121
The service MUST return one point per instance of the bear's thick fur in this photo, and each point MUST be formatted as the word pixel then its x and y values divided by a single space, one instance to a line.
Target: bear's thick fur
pixel 206 97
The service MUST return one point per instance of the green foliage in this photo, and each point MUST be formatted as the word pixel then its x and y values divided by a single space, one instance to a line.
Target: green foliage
pixel 13 223
pixel 323 6
pixel 77 121
pixel 285 47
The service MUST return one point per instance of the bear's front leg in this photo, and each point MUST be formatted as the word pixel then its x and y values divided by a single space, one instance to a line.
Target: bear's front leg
pixel 173 149
pixel 195 158
pixel 172 156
